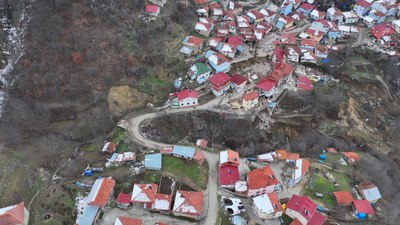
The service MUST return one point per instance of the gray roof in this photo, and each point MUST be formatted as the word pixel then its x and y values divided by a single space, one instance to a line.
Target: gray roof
pixel 184 151
pixel 153 161
pixel 372 194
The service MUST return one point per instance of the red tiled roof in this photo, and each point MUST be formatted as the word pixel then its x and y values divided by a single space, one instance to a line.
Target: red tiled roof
pixel 301 204
pixel 282 155
pixel 187 93
pixel 343 197
pixel 307 42
pixel 292 156
pixel 266 84
pixel 280 71
pixel 164 197
pixel 261 178
pixel 317 219
pixel 250 96
pixel 195 40
pixel 124 198
pixel 275 201
pixel 304 84
pixel 363 206
pixel 200 2
pixel 192 198
pixel 288 38
pixel 149 189
pixel 383 29
pixel 151 8
pixel 305 165
pixel 306 6
pixel 228 175
pixel 294 49
pixel 296 222
pixel 160 223
pixel 13 216
pixel 352 157
pixel 234 40
pixel 129 221
pixel 199 157
pixel 104 192
pixel 238 79
pixel 323 21
pixel 111 147
pixel 363 3
pixel 331 150
pixel 219 79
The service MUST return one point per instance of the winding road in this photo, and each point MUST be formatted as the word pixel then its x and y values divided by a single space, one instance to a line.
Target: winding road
pixel 134 128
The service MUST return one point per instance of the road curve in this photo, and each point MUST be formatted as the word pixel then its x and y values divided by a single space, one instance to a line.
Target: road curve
pixel 134 129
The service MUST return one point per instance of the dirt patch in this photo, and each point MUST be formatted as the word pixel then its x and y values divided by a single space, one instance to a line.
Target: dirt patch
pixel 123 98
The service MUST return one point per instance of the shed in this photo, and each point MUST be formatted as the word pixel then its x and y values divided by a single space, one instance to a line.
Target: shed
pixel 343 197
pixel 153 161
pixel 184 152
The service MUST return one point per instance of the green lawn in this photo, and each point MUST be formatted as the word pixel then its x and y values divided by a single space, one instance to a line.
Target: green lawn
pixel 319 184
pixel 187 170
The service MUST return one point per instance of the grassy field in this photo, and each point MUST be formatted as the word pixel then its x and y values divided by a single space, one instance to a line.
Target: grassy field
pixel 222 219
pixel 186 170
pixel 319 184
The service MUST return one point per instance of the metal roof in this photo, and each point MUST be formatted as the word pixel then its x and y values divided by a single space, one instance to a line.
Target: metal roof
pixel 184 151
pixel 153 161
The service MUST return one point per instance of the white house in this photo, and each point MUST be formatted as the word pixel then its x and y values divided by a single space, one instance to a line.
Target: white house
pixel 316 14
pixel 199 72
pixel 396 24
pixel 203 28
pixel 267 206
pixel 293 53
pixel 334 14
pixel 269 15
pixel 187 98
pixel 322 25
pixel 302 166
pixel 362 7
pixel 350 17
pixel 261 181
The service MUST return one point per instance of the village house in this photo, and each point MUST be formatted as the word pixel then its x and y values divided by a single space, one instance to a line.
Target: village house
pixel 121 220
pixel 292 157
pixel 162 203
pixel 199 72
pixel 362 7
pixel 281 154
pixel 377 16
pixel 238 82
pixel 267 157
pixel 247 34
pixel 301 168
pixel 255 16
pixel 281 73
pixel 188 204
pixel 396 25
pixel 308 56
pixel 380 31
pixel 201 3
pixel 228 175
pixel 284 22
pixel 118 159
pixel 347 30
pixel 185 98
pixel 215 43
pixel 259 33
pixel 202 143
pixel 304 210
pixel 343 197
pixel 218 61
pixel 321 25
pixel 316 14
pixel 334 14
pixel 144 194
pixel 269 15
pixel 286 8
pixel 278 55
pixel 228 16
pixel 231 50
pixel 153 161
pixel 236 7
pixel 250 100
pixel 203 28
pixel 203 11
pixel 199 157
pixel 350 17
pixel 183 152
pixel 308 44
pixel 123 200
pixel 14 215
pixel 362 208
pixel 98 198
pixel 298 17
pixel 304 84
pixel 191 44
pixel 232 28
pixel 313 34
pixel 160 3
pixel 369 192
pixel 109 148
pixel 216 10
pixel 220 83
pixel 229 157
pixel 267 206
pixel 295 3
pixel 387 7
pixel 288 39
pixel 321 51
pixel 306 8
pixel 152 10
pixel 267 87
pixel 243 21
pixel 351 158
pixel 241 187
pixel 261 181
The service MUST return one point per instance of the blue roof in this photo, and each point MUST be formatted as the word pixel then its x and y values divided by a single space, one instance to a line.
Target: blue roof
pixel 209 53
pixel 237 220
pixel 89 215
pixel 186 50
pixel 114 157
pixel 184 151
pixel 153 161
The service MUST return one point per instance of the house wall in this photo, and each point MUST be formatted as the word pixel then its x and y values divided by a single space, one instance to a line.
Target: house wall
pixel 293 214
pixel 196 217
pixel 351 20
pixel 257 192
pixel 224 67
pixel 293 58
pixel 360 10
pixel 279 25
pixel 269 94
pixel 269 19
pixel 26 217
pixel 250 104
pixel 287 9
pixel 188 102
pixel 238 87
pixel 221 91
pixel 379 7
pixel 333 34
pixel 203 77
pixel 320 27
pixel 264 215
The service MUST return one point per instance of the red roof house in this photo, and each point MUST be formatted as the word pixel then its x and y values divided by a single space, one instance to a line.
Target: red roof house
pixel 144 193
pixel 267 86
pixel 383 29
pixel 228 175
pixel 220 83
pixel 162 202
pixel 304 84
pixel 14 215
pixel 277 55
pixel 351 157
pixel 202 143
pixel 123 200
pixel 238 82
pixel 229 157
pixel 122 220
pixel 304 210
pixel 188 204
pixel 153 10
pixel 109 148
pixel 363 206
pixel 187 98
pixel 281 72
pixel 101 192
pixel 343 197
pixel 199 157
pixel 261 181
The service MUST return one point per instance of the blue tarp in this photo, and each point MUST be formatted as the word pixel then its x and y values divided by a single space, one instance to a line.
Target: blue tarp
pixel 187 152
pixel 153 161
pixel 361 216
pixel 322 156
pixel 89 215
pixel 177 83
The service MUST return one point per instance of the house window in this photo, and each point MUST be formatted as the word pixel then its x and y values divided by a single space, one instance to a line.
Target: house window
pixel 187 103
pixel 194 103
pixel 305 212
